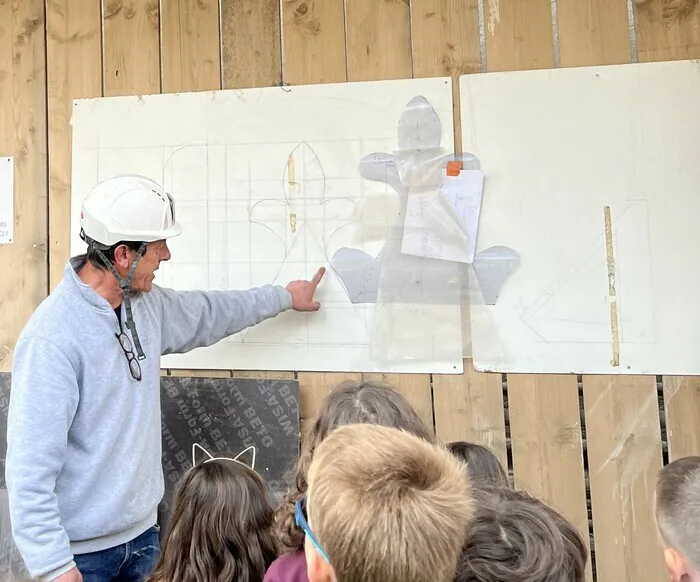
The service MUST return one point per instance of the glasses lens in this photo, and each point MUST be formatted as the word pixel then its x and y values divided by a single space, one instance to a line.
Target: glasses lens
pixel 135 369
pixel 125 342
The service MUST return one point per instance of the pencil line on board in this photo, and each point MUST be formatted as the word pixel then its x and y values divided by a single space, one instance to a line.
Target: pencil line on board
pixel 612 291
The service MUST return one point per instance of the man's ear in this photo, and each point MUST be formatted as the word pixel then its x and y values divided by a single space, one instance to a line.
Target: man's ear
pixel 121 257
pixel 317 569
pixel 676 565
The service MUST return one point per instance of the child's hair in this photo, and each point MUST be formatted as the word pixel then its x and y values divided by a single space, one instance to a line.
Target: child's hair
pixel 482 465
pixel 387 505
pixel 515 537
pixel 348 403
pixel 678 507
pixel 220 528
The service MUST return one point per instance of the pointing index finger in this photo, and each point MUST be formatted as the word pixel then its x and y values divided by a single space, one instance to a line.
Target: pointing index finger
pixel 317 277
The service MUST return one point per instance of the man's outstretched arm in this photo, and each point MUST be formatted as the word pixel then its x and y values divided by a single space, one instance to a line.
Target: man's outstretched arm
pixel 193 319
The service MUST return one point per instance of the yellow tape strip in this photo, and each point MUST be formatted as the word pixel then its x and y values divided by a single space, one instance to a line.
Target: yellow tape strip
pixel 292 184
pixel 612 292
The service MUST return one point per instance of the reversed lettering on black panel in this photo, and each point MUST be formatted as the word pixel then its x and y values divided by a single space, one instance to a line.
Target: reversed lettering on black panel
pixel 227 415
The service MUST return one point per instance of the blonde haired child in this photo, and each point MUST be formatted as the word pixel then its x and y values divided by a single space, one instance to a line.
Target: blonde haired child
pixel 383 506
pixel 348 403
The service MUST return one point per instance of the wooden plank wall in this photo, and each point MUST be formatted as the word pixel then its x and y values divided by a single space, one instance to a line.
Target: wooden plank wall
pixel 592 445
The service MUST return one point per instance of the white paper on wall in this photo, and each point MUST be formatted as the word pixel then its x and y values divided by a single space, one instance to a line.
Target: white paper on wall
pixel 267 187
pixel 574 143
pixel 7 197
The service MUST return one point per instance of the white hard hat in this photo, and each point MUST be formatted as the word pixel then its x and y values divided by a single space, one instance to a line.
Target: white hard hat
pixel 128 208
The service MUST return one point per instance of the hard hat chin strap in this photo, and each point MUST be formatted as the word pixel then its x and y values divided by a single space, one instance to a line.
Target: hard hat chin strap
pixel 125 286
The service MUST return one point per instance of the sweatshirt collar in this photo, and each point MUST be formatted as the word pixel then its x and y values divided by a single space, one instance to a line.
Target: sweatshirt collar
pixel 76 285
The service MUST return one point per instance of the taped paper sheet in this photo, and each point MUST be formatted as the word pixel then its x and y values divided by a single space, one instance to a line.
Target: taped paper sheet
pixel 442 221
pixel 463 194
pixel 578 141
pixel 7 197
pixel 270 184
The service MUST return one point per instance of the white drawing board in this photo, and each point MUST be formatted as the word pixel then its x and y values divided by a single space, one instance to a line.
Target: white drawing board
pixel 268 187
pixel 557 147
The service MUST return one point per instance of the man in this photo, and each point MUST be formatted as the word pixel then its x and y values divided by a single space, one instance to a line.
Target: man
pixel 83 464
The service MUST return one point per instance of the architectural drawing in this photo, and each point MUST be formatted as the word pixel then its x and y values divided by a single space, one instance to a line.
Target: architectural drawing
pixel 270 184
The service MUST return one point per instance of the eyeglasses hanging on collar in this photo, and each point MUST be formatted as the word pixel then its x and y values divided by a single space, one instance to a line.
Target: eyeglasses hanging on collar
pixel 127 348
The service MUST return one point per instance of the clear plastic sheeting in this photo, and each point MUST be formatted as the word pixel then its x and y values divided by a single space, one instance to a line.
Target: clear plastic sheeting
pixel 426 275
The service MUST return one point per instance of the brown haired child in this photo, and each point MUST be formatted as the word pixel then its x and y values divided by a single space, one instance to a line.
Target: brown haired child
pixel 220 528
pixel 515 537
pixel 483 466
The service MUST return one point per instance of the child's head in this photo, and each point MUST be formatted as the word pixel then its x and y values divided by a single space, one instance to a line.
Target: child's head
pixel 220 526
pixel 483 467
pixel 349 403
pixel 516 538
pixel 384 504
pixel 678 517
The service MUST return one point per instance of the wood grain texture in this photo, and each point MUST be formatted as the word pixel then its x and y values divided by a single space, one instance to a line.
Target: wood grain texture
pixel 519 35
pixel 593 32
pixel 682 409
pixel 624 455
pixel 445 37
pixel 251 49
pixel 314 41
pixel 469 407
pixel 190 45
pixel 131 47
pixel 24 262
pixel 667 30
pixel 378 39
pixel 546 443
pixel 74 71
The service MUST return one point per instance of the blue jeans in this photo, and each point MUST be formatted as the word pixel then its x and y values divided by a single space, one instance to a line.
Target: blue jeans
pixel 129 562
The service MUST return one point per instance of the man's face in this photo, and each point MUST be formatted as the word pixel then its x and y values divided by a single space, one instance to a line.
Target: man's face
pixel 148 264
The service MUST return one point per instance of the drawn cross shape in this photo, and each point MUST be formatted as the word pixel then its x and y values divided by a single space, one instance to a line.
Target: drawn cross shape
pixel 302 220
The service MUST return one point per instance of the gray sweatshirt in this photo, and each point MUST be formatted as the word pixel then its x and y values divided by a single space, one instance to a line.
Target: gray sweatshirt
pixel 83 465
